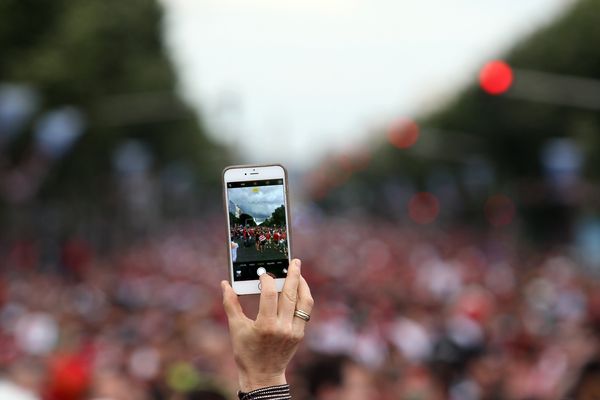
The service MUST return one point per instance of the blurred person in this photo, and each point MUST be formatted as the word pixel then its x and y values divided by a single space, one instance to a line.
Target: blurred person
pixel 22 380
pixel 263 347
pixel 486 372
pixel 76 256
pixel 262 242
pixel 205 394
pixel 11 391
pixel 70 375
pixel 418 382
pixel 234 247
pixel 256 239
pixel 587 386
pixel 337 377
pixel 112 385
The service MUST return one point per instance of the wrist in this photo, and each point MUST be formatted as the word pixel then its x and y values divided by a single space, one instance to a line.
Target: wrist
pixel 250 382
pixel 279 392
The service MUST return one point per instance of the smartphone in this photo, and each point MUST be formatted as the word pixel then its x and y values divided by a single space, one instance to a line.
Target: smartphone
pixel 258 242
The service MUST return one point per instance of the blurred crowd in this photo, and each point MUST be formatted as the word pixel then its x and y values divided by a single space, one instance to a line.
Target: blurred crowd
pixel 400 314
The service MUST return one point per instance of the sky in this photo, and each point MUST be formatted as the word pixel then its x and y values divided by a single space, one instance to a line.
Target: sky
pixel 293 81
pixel 258 201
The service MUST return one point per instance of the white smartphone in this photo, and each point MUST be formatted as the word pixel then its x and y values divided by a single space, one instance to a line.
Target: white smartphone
pixel 256 204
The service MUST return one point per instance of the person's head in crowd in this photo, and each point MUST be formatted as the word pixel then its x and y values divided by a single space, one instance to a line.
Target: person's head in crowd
pixel 587 386
pixel 337 377
pixel 112 384
pixel 27 374
pixel 205 394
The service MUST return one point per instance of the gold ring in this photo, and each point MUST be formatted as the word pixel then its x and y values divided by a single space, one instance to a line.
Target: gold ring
pixel 302 315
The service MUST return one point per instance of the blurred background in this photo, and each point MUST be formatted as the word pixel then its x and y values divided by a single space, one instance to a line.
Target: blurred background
pixel 445 166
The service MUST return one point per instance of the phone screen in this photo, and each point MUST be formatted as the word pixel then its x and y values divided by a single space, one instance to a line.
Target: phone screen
pixel 257 228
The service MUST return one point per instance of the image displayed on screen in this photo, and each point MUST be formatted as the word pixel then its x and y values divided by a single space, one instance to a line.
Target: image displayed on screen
pixel 257 228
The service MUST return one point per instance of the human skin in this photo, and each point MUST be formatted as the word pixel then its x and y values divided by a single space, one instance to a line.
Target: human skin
pixel 263 347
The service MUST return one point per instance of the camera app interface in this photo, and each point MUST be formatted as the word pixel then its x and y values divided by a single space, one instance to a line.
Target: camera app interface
pixel 257 229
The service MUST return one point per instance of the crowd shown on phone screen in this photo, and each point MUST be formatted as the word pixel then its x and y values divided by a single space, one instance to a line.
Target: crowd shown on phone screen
pixel 400 314
pixel 260 237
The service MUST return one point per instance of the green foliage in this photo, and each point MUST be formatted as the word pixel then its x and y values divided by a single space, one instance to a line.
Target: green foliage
pixel 107 58
pixel 233 220
pixel 277 218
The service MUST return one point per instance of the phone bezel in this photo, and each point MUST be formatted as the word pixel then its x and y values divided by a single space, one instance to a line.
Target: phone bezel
pixel 241 173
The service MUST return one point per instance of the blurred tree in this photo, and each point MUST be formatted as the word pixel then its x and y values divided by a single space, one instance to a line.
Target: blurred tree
pixel 277 218
pixel 233 219
pixel 106 58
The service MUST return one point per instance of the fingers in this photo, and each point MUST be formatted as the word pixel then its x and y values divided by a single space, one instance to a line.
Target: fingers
pixel 289 294
pixel 305 303
pixel 267 309
pixel 232 306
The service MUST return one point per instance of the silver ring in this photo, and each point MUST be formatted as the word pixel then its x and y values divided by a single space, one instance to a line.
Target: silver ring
pixel 302 315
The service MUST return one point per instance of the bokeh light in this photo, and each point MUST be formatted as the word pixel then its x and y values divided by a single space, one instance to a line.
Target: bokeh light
pixel 403 133
pixel 423 208
pixel 496 77
pixel 500 210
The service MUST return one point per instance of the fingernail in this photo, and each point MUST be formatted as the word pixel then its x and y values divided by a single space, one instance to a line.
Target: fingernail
pixel 299 263
pixel 223 283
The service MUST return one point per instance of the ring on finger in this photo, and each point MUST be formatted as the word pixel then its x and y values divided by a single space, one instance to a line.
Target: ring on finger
pixel 302 315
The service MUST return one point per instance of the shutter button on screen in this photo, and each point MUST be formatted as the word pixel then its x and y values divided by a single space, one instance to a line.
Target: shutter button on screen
pixel 259 272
